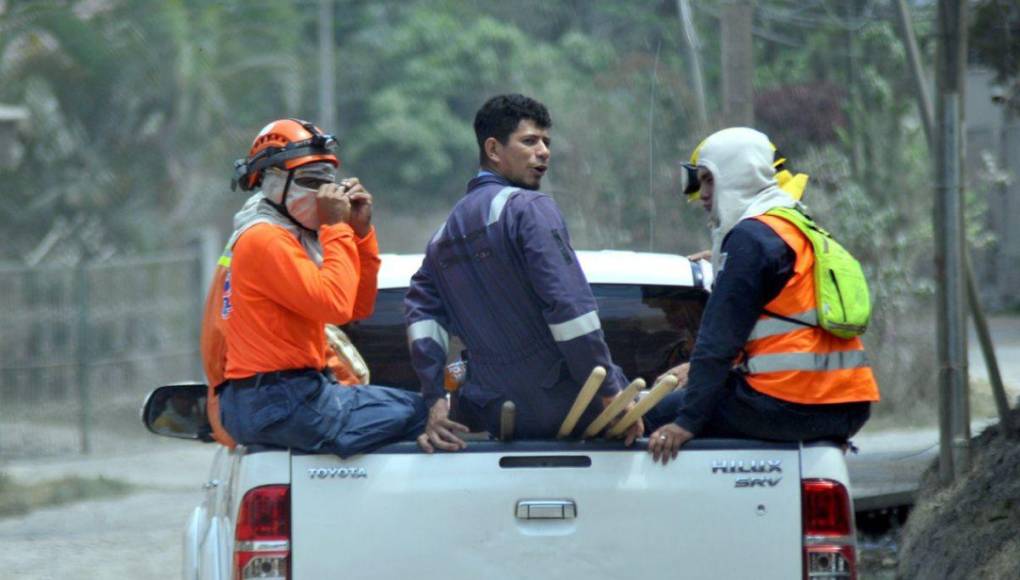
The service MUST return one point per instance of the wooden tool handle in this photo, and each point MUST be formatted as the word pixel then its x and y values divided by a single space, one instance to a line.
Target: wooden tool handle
pixel 662 388
pixel 507 419
pixel 591 386
pixel 614 408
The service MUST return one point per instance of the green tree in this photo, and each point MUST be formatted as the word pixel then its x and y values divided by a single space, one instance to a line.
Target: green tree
pixel 130 104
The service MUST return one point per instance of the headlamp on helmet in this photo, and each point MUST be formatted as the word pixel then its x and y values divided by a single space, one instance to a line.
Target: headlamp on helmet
pixel 689 182
pixel 690 185
pixel 285 144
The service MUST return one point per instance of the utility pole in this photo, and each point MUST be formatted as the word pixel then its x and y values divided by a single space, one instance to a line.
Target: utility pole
pixel 950 264
pixel 691 52
pixel 921 91
pixel 853 28
pixel 737 62
pixel 973 297
pixel 327 68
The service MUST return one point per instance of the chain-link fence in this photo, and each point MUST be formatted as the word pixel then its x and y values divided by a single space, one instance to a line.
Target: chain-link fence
pixel 80 347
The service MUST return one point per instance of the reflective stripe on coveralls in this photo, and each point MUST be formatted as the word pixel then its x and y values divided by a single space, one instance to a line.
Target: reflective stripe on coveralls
pixel 498 202
pixel 429 329
pixel 580 326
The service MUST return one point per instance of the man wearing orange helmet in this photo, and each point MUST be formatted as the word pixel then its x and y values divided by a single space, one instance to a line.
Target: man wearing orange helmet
pixel 303 255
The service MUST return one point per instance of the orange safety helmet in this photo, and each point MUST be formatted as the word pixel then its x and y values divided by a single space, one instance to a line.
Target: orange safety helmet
pixel 285 144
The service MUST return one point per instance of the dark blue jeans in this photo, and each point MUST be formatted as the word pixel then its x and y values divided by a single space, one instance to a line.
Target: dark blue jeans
pixel 744 412
pixel 309 411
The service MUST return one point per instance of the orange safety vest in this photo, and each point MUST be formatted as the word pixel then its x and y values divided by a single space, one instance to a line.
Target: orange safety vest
pixel 796 362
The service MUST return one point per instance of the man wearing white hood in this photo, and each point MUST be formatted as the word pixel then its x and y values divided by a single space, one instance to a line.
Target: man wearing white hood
pixel 760 367
pixel 303 255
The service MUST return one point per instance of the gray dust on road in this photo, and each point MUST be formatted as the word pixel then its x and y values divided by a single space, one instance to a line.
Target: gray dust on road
pixel 136 536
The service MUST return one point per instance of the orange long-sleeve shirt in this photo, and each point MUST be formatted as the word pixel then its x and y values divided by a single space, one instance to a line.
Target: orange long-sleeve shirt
pixel 213 344
pixel 278 298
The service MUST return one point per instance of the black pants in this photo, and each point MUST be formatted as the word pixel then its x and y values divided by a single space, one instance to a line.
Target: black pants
pixel 744 412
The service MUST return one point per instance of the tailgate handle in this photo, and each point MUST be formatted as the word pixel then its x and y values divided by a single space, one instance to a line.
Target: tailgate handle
pixel 546 509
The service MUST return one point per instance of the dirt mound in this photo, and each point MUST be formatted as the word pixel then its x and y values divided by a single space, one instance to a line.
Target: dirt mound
pixel 969 529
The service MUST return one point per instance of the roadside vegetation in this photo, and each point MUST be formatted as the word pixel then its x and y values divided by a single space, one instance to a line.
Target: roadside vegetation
pixel 19 498
pixel 137 110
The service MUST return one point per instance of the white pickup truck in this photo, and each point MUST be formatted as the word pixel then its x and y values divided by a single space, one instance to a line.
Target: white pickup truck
pixel 592 509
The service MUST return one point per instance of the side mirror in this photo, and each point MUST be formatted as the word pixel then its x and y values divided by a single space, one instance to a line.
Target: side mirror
pixel 178 411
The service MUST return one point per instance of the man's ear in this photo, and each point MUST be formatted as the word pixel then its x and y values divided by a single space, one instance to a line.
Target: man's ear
pixel 493 148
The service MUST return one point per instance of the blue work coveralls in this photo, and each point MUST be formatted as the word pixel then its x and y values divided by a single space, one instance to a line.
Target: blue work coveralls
pixel 501 275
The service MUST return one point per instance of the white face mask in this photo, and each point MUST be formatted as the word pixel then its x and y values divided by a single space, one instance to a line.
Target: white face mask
pixel 301 202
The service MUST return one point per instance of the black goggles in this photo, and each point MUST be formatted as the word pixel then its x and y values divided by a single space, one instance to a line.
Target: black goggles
pixel 318 144
pixel 689 182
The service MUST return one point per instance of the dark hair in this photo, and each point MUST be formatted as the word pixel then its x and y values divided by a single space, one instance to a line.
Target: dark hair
pixel 500 115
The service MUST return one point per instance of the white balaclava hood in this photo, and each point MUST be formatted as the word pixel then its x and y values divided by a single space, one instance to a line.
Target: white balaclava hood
pixel 740 161
pixel 300 201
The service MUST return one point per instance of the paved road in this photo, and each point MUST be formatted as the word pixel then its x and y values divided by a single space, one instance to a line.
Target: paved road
pixel 138 536
pixel 134 537
pixel 1005 333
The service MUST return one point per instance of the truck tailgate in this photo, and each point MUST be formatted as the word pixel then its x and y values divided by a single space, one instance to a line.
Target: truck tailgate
pixel 549 510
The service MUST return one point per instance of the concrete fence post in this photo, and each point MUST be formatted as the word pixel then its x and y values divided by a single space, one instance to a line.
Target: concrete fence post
pixel 82 353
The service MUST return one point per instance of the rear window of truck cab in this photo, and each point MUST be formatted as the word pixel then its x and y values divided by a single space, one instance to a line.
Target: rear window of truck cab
pixel 649 329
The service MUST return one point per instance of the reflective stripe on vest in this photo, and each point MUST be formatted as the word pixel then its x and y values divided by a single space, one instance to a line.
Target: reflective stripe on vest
pixel 807 361
pixel 772 326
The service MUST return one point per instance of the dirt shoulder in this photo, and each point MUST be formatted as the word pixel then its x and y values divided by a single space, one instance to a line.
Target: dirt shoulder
pixel 166 464
pixel 969 529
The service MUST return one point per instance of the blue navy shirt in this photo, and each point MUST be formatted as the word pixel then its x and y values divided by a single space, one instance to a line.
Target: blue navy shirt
pixel 756 267
pixel 501 275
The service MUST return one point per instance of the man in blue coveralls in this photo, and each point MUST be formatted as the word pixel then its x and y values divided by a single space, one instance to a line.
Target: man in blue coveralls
pixel 501 275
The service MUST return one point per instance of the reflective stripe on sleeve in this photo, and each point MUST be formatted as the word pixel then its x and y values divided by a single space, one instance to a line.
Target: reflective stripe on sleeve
pixel 496 207
pixel 579 326
pixel 772 326
pixel 429 329
pixel 224 261
pixel 439 233
pixel 807 361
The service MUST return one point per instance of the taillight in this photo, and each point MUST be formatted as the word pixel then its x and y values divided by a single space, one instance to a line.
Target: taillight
pixel 262 534
pixel 830 549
